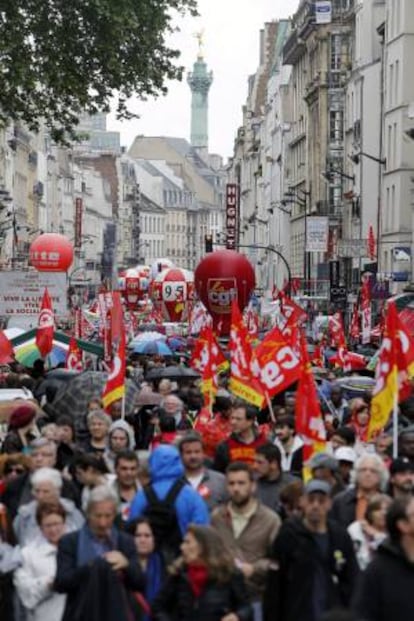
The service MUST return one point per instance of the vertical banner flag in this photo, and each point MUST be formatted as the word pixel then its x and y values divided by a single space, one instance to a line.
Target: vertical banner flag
pixel 366 310
pixel 115 384
pixel 46 326
pixel 354 329
pixel 385 392
pixel 371 243
pixel 74 360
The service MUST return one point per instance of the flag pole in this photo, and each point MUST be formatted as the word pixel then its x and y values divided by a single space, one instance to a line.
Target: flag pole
pixel 269 405
pixel 123 407
pixel 395 426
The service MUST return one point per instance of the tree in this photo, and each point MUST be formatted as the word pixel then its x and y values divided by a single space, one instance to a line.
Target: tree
pixel 59 58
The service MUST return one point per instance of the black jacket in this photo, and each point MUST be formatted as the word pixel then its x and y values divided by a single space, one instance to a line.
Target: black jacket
pixel 344 507
pixel 297 560
pixel 176 601
pixel 80 583
pixel 385 591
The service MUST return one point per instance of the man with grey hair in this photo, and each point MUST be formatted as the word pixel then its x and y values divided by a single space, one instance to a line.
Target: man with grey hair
pixel 46 487
pixel 97 564
pixel 369 477
pixel 173 406
pixel 19 491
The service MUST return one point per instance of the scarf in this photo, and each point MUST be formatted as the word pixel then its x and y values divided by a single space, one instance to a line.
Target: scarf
pixel 197 576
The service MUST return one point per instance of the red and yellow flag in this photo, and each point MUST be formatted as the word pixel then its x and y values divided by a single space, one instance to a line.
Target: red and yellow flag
pixel 242 382
pixel 115 384
pixel 385 395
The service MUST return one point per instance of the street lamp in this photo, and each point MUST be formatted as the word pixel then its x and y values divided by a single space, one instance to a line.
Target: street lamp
pixel 356 158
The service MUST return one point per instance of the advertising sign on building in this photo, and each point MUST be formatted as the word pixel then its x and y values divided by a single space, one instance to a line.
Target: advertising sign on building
pixel 232 216
pixel 78 223
pixel 323 11
pixel 317 231
pixel 21 293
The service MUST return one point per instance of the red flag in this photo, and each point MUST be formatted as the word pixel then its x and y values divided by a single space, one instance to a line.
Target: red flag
pixel 46 326
pixel 202 349
pixel 336 329
pixel 74 361
pixel 6 349
pixel 115 384
pixel 275 362
pixel 308 416
pixel 242 382
pixel 371 243
pixel 354 328
pixel 291 313
pixel 366 310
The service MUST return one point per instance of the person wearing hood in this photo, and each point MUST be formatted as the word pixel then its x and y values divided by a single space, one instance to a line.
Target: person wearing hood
pixel 166 469
pixel 385 589
pixel 46 487
pixel 120 438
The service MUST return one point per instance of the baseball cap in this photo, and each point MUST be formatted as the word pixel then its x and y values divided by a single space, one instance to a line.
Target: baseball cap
pixel 345 453
pixel 317 486
pixel 401 464
pixel 323 460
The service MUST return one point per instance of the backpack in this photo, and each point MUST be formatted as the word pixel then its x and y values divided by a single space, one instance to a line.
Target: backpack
pixel 163 519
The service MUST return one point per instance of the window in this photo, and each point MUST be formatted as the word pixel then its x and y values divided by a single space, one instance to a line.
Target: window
pixel 391 85
pixel 394 146
pixel 336 126
pixel 397 82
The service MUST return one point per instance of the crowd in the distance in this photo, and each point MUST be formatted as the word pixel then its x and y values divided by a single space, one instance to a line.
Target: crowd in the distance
pixel 176 515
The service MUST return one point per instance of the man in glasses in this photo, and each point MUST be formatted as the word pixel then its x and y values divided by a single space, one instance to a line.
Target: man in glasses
pixel 314 565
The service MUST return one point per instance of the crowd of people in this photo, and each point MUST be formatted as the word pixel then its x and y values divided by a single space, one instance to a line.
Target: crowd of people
pixel 176 513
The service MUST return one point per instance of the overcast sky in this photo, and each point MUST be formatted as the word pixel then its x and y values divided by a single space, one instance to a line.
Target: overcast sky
pixel 232 52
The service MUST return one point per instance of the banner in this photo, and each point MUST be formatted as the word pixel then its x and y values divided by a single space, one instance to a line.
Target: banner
pixel 21 294
pixel 317 233
pixel 232 216
pixel 323 11
pixel 115 384
pixel 366 310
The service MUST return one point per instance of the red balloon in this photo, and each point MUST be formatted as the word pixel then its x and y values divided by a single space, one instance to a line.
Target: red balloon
pixel 51 252
pixel 219 278
pixel 171 290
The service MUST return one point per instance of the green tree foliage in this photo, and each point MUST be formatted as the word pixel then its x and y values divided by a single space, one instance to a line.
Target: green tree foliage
pixel 59 58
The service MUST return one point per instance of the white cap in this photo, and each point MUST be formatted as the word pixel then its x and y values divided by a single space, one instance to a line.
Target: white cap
pixel 345 453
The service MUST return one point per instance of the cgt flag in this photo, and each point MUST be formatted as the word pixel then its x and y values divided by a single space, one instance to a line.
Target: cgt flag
pixel 74 361
pixel 114 389
pixel 46 326
pixel 385 394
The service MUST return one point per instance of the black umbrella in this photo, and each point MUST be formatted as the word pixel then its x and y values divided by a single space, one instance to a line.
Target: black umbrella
pixel 54 379
pixel 176 373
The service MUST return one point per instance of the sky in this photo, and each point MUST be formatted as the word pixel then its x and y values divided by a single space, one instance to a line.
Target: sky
pixel 231 50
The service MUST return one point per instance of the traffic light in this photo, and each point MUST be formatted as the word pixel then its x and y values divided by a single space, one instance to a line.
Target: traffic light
pixel 208 240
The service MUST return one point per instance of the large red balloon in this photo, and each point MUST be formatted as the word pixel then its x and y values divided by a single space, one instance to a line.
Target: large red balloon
pixel 219 278
pixel 51 252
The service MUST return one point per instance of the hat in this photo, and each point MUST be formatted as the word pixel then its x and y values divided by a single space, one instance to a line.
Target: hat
pixel 345 453
pixel 323 460
pixel 401 464
pixel 317 486
pixel 22 416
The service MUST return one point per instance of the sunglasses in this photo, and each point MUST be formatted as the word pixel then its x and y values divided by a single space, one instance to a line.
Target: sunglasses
pixel 15 469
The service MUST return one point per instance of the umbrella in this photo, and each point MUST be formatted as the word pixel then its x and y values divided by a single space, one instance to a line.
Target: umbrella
pixel 144 337
pixel 27 353
pixel 148 327
pixel 54 379
pixel 74 395
pixel 355 385
pixel 173 373
pixel 176 343
pixel 152 348
pixel 146 396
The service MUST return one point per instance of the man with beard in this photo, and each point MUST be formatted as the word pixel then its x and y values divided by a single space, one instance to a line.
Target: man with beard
pixel 211 485
pixel 249 529
pixel 401 478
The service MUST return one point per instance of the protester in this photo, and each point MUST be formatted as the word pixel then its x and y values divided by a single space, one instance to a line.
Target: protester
pixel 336 408
pixel 97 566
pixel 34 579
pixel 385 589
pixel 270 480
pixel 126 482
pixel 210 484
pixel 401 478
pixel 66 442
pixel 289 444
pixel 343 436
pixel 368 533
pixel 314 567
pixel 46 487
pixel 22 429
pixel 369 478
pixel 204 584
pixel 291 499
pixel 248 528
pixel 346 458
pixel 180 504
pixel 173 406
pixel 151 562
pixel 98 426
pixel 90 471
pixel 326 468
pixel 242 443
pixel 359 422
pixel 120 438
pixel 406 443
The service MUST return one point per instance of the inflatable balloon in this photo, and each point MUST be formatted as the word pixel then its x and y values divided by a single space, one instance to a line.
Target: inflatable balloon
pixel 136 285
pixel 159 266
pixel 219 278
pixel 51 252
pixel 172 289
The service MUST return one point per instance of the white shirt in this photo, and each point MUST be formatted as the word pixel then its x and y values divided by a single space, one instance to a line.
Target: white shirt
pixel 32 581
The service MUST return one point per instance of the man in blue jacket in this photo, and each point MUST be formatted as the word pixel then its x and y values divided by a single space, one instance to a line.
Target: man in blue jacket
pixel 166 469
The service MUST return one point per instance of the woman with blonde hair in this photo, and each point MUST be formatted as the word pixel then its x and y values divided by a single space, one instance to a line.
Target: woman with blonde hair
pixel 204 584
